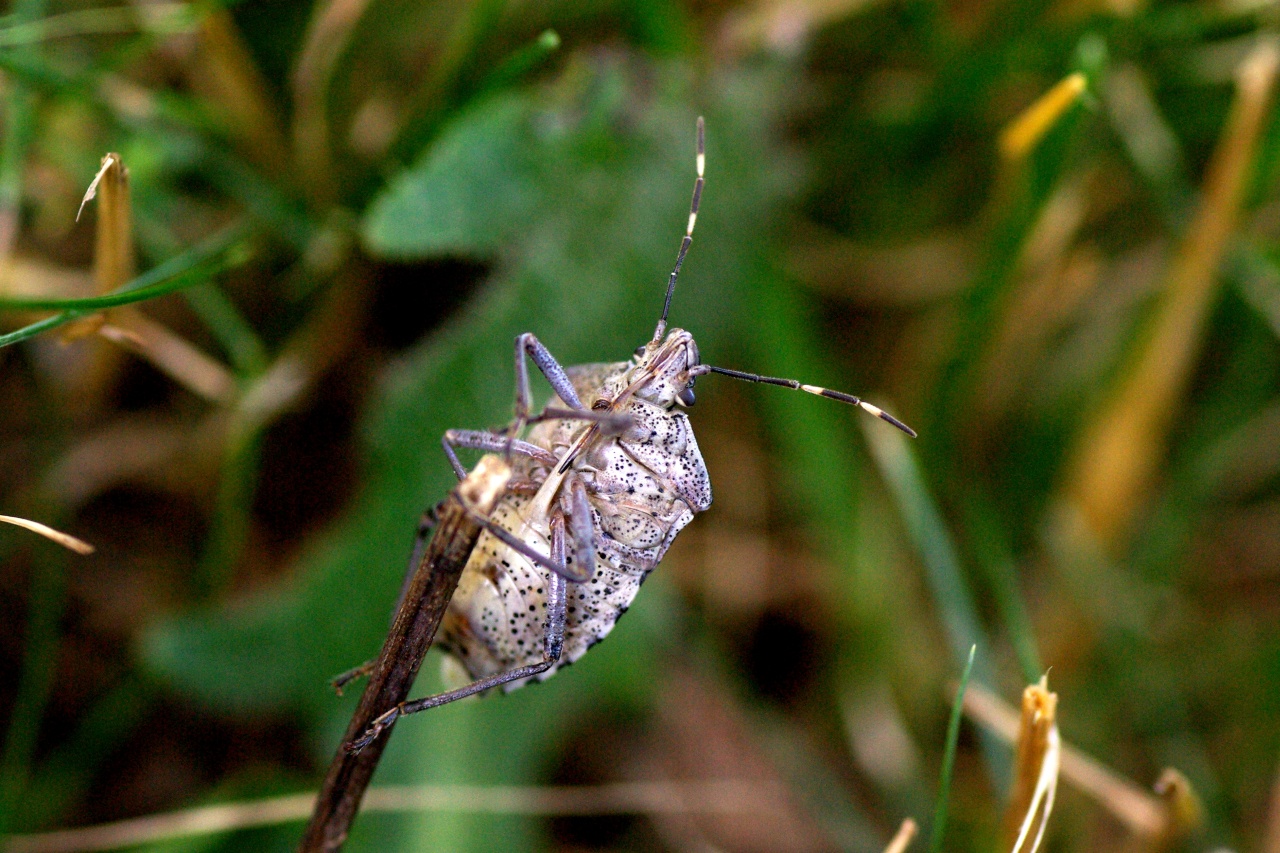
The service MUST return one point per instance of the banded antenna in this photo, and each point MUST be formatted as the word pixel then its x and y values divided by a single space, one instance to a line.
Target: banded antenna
pixel 702 369
pixel 688 231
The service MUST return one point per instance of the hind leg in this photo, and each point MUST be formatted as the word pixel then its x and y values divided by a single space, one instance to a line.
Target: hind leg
pixel 553 645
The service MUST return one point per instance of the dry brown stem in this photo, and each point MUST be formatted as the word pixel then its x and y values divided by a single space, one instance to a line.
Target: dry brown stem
pixel 422 608
pixel 728 796
pixel 225 71
pixel 1120 454
pixel 114 265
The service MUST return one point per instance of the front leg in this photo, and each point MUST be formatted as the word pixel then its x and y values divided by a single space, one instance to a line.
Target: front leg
pixel 528 345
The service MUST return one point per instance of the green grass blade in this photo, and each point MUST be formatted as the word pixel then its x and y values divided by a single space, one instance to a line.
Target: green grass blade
pixel 523 61
pixel 993 556
pixel 191 267
pixel 41 643
pixel 37 327
pixel 949 757
pixel 223 319
pixel 20 128
pixel 946 580
pixel 928 533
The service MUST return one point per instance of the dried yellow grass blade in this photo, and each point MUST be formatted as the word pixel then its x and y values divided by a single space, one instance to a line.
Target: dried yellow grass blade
pixel 1022 134
pixel 113 259
pixel 1119 455
pixel 92 192
pixel 113 266
pixel 902 839
pixel 63 539
pixel 1141 812
pixel 1035 782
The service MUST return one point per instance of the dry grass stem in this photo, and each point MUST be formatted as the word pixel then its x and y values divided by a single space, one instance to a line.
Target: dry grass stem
pixel 1035 782
pixel 1021 135
pixel 173 456
pixel 173 354
pixel 63 539
pixel 1056 278
pixel 1120 453
pixel 330 28
pixel 1184 811
pixel 714 796
pixel 902 839
pixel 224 69
pixel 108 162
pixel 1141 812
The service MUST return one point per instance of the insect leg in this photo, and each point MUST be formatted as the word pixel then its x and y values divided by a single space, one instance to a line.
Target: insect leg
pixel 426 524
pixel 529 345
pixel 611 423
pixel 582 530
pixel 480 440
pixel 506 537
pixel 553 643
pixel 557 596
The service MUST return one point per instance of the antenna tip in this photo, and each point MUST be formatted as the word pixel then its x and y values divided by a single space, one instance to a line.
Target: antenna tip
pixel 702 146
pixel 887 418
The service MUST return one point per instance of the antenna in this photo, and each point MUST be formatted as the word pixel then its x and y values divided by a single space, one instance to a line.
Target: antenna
pixel 842 397
pixel 688 232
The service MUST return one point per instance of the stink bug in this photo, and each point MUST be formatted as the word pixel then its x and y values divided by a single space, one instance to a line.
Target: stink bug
pixel 604 478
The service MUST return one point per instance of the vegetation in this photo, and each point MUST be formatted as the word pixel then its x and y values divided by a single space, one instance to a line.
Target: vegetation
pixel 1043 234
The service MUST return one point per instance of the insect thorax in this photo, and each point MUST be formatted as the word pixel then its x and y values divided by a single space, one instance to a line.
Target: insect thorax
pixel 643 487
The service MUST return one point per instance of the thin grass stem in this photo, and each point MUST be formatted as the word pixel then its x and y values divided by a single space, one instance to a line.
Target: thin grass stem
pixel 47 600
pixel 221 317
pixel 19 127
pixel 949 758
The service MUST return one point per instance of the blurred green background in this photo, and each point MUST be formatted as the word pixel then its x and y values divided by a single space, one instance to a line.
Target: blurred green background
pixel 359 204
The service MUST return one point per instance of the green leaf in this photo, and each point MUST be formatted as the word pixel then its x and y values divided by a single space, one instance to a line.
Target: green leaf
pixel 471 191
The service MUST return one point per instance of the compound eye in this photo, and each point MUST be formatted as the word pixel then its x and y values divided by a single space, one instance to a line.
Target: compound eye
pixel 600 405
pixel 686 396
pixel 639 353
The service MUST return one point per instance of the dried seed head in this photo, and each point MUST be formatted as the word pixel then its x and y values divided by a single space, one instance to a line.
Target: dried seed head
pixel 1036 780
